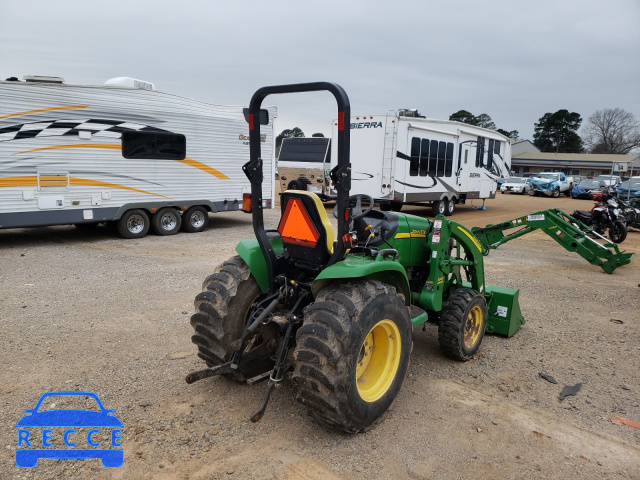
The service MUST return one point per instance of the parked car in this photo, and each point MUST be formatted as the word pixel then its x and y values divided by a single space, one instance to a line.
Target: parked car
pixel 577 179
pixel 584 189
pixel 610 180
pixel 630 188
pixel 516 185
pixel 551 183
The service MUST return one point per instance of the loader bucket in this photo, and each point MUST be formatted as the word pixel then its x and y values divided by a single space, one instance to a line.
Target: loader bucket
pixel 503 310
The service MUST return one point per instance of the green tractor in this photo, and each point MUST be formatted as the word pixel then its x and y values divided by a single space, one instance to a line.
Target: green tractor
pixel 338 311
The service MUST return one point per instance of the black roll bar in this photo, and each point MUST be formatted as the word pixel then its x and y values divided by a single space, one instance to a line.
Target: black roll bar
pixel 340 175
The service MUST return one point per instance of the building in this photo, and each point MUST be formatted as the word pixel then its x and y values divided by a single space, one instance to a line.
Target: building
pixel 584 164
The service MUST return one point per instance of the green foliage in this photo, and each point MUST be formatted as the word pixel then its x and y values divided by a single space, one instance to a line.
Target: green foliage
pixel 318 135
pixel 483 120
pixel 464 116
pixel 512 134
pixel 557 132
pixel 288 133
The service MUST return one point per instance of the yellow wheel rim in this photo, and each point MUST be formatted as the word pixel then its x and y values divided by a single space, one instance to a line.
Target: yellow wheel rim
pixel 378 360
pixel 472 327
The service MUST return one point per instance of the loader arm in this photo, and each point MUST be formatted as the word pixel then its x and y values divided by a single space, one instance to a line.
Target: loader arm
pixel 572 234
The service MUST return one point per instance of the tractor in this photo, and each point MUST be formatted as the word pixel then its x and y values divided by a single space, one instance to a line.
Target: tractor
pixel 338 311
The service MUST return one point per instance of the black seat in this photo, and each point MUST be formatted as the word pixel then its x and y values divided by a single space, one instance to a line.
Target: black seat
pixel 307 233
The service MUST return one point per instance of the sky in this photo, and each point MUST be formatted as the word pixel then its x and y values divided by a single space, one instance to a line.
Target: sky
pixel 511 59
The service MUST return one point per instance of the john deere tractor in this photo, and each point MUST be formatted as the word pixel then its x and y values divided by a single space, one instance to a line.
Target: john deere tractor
pixel 338 311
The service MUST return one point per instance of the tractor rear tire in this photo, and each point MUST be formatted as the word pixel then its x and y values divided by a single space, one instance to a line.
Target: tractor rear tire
pixel 352 354
pixel 462 325
pixel 222 310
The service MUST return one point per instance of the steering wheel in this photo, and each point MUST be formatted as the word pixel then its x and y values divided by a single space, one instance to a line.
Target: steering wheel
pixel 355 203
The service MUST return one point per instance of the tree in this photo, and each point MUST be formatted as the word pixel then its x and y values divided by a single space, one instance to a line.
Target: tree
pixel 556 132
pixel 483 120
pixel 318 135
pixel 464 117
pixel 611 130
pixel 288 133
pixel 512 134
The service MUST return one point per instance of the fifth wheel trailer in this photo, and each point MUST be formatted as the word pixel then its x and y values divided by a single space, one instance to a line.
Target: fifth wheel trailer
pixel 121 152
pixel 402 157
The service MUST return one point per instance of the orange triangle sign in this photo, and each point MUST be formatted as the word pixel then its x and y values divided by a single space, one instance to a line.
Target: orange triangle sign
pixel 296 226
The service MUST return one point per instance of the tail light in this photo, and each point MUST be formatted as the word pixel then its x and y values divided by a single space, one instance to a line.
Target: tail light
pixel 246 202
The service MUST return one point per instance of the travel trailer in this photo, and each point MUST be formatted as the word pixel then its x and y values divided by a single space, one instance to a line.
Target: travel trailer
pixel 303 164
pixel 403 158
pixel 122 152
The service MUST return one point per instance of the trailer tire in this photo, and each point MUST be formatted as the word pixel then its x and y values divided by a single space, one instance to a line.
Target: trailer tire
pixel 463 323
pixel 298 184
pixel 166 221
pixel 352 353
pixel 439 207
pixel 195 219
pixel 450 207
pixel 395 206
pixel 133 224
pixel 618 232
pixel 221 313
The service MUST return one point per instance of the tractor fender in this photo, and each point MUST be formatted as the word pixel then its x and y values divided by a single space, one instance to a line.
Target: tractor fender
pixel 380 268
pixel 250 251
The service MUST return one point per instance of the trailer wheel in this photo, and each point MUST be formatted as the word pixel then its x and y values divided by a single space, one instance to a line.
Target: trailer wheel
pixel 352 353
pixel 195 219
pixel 166 221
pixel 462 325
pixel 439 207
pixel 133 224
pixel 298 184
pixel 222 310
pixel 618 232
pixel 396 206
pixel 450 207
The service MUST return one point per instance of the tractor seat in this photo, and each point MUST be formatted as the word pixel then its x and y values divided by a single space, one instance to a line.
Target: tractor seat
pixel 307 233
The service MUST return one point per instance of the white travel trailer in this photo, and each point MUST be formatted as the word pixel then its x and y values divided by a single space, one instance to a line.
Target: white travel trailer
pixel 121 152
pixel 402 157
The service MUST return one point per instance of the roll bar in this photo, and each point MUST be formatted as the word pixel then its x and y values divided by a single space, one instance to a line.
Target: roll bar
pixel 340 175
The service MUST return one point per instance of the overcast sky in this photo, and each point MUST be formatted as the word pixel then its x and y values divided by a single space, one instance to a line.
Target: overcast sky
pixel 513 60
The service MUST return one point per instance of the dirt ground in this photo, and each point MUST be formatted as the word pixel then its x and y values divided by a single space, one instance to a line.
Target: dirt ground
pixel 90 311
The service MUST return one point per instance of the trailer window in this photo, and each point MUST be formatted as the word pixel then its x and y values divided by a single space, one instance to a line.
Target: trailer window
pixel 480 152
pixel 496 148
pixel 415 156
pixel 424 158
pixel 152 145
pixel 490 156
pixel 448 165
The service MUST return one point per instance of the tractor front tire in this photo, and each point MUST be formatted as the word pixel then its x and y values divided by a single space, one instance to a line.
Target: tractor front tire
pixel 462 325
pixel 222 310
pixel 352 354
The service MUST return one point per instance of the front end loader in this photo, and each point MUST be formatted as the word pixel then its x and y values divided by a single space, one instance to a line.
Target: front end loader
pixel 338 310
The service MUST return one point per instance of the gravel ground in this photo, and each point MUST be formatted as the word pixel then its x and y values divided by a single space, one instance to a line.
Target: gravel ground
pixel 93 312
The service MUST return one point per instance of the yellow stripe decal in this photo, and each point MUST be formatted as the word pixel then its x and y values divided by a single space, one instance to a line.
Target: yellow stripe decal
pixel 205 168
pixel 187 161
pixel 472 238
pixel 29 112
pixel 409 235
pixel 32 181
